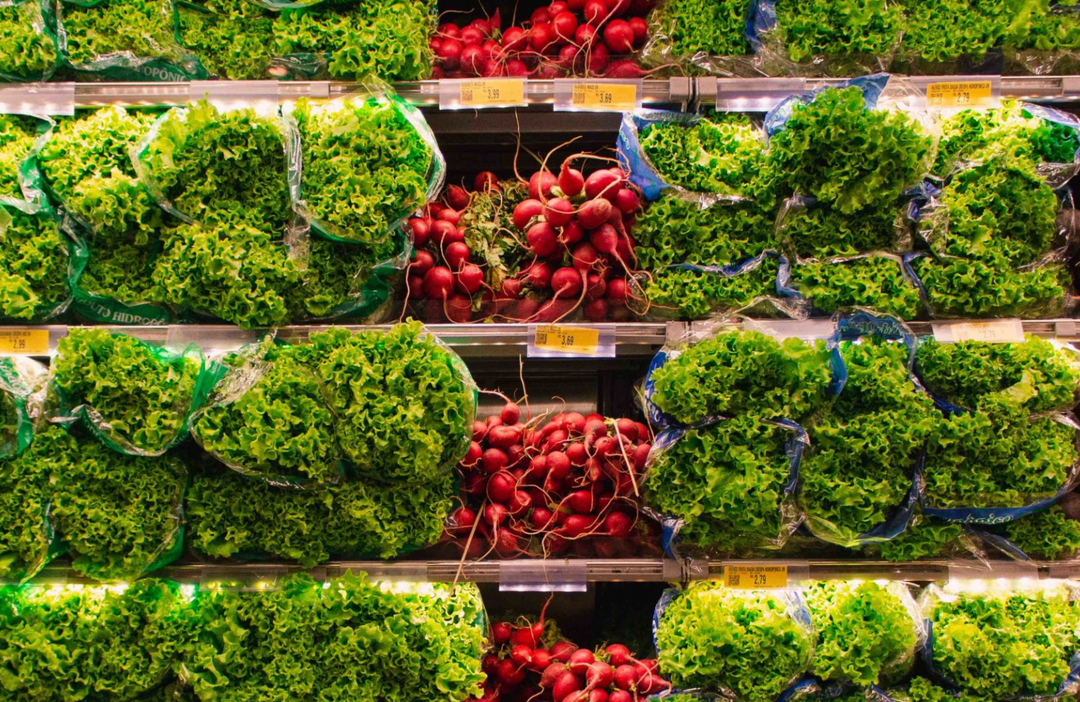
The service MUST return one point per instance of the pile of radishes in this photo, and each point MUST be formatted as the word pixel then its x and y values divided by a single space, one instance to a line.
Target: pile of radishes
pixel 541 485
pixel 530 662
pixel 574 232
pixel 566 38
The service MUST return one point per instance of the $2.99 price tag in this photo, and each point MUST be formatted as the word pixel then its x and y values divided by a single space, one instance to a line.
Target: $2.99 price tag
pixel 755 577
pixel 24 341
pixel 974 93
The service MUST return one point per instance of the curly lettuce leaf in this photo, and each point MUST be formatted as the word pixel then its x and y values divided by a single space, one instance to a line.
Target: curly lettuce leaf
pixel 958 287
pixel 33 265
pixel 232 38
pixel 875 282
pixel 811 28
pixel 718 154
pixel 29 46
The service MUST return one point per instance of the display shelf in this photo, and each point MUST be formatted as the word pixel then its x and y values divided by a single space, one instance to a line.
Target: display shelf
pixel 632 339
pixel 575 574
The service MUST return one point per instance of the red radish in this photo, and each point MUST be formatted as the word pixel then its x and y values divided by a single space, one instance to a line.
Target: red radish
pixel 619 36
pixel 494 514
pixel 520 503
pixel 598 695
pixel 594 213
pixel 625 68
pixel 602 184
pixel 548 70
pixel 421 230
pixel 553 671
pixel 524 636
pixel 567 56
pixel 541 518
pixel 596 11
pixel 584 257
pixel 500 632
pixel 457 253
pixel 617 289
pixel 628 428
pixel 449 53
pixel 514 39
pixel 543 239
pixel 510 413
pixel 500 487
pixel 585 35
pixel 581 501
pixel 566 282
pixel 511 287
pixel 504 436
pixel 462 519
pixel 490 664
pixel 517 68
pixel 558 211
pixel 571 181
pixel 599 675
pixel 508 673
pixel 558 464
pixel 640 28
pixel 471 35
pixel 572 233
pixel 522 655
pixel 472 456
pixel 595 286
pixel 497 422
pixel 575 5
pixel 562 650
pixel 556 7
pixel 627 676
pixel 538 275
pixel 604 239
pixel 596 311
pixel 415 285
pixel 483 27
pixel 442 231
pixel 538 467
pixel 576 525
pixel 525 210
pixel 541 37
pixel 540 15
pixel 574 421
pixel 457 197
pixel 470 278
pixel 485 180
pixel 598 59
pixel 565 24
pixel 493 460
pixel 541 183
pixel 580 661
pixel 565 686
pixel 618 524
pixel 450 215
pixel 449 29
pixel 620 696
pixel 541 659
pixel 619 7
pixel 438 282
pixel 626 200
pixel 479 430
pixel 618 655
pixel 473 59
pixel 422 262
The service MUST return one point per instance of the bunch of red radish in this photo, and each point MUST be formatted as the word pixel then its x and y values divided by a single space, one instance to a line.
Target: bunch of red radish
pixel 531 664
pixel 590 38
pixel 547 483
pixel 575 230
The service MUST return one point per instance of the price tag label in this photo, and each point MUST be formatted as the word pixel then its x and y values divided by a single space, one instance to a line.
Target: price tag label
pixel 598 96
pixel 581 341
pixel 972 93
pixel 999 331
pixel 29 342
pixel 475 94
pixel 755 577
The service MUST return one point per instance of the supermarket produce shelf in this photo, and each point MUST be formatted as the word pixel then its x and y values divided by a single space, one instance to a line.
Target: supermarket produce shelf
pixel 576 574
pixel 631 339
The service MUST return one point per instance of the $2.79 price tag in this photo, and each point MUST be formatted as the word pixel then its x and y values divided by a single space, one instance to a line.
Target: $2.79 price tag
pixel 755 577
pixel 974 93
pixel 24 341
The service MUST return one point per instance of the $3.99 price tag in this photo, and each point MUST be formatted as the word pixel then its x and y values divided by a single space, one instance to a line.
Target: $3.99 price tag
pixel 24 341
pixel 974 93
pixel 755 577
pixel 481 93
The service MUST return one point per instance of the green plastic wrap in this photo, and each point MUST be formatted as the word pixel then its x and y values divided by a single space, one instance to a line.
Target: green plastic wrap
pixel 28 34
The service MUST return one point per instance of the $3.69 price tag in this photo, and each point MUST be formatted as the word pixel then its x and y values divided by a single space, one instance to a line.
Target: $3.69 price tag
pixel 576 340
pixel 24 341
pixel 597 96
pixel 755 577
pixel 974 93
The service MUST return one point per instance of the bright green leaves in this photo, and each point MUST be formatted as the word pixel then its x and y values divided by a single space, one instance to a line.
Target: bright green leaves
pixel 866 631
pixel 710 27
pixel 745 641
pixel 945 30
pixel 33 266
pixel 957 287
pixel 721 155
pixel 232 38
pixel 925 537
pixel 875 282
pixel 834 149
pixel 811 28
pixel 1048 535
pixel 29 45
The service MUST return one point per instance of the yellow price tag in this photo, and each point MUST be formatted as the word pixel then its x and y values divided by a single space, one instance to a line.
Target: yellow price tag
pixel 500 92
pixel 998 331
pixel 578 340
pixel 604 97
pixel 755 577
pixel 32 342
pixel 975 93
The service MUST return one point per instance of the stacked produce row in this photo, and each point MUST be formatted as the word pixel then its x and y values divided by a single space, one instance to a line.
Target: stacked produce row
pixel 873 439
pixel 403 39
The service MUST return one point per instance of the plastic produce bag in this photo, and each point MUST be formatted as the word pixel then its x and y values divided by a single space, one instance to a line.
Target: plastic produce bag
pixel 37 263
pixel 28 35
pixel 700 36
pixel 22 385
pixel 1051 46
pixel 816 690
pixel 974 637
pixel 268 418
pixel 722 371
pixel 136 398
pixel 959 37
pixel 867 632
pixel 928 537
pixel 747 644
pixel 858 480
pixel 233 39
pixel 726 485
pixel 820 37
pixel 87 171
pixel 728 153
pixel 877 281
pixel 693 291
pixel 1050 535
pixel 20 179
pixel 850 146
pixel 388 39
pixel 370 161
pixel 125 40
pixel 120 516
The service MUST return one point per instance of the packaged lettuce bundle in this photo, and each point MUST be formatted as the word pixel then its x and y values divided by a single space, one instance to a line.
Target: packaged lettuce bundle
pixel 36 261
pixel 27 538
pixel 819 37
pixel 857 479
pixel 215 166
pixel 726 372
pixel 87 170
pixel 234 516
pixel 696 291
pixel 268 418
pixel 404 402
pixel 976 637
pixel 136 398
pixel 850 146
pixel 959 36
pixel 748 644
pixel 231 38
pixel 388 39
pixel 22 382
pixel 1042 374
pixel 877 281
pixel 808 229
pixel 726 486
pixel 238 273
pixel 132 40
pixel 867 632
pixel 28 35
pixel 1051 44
pixel 119 516
pixel 1050 535
pixel 20 179
pixel 701 36
pixel 925 537
pixel 122 640
pixel 369 161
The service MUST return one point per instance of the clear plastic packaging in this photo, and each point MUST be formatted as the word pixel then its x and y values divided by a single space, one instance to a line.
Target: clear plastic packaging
pixel 21 137
pixel 875 280
pixel 700 37
pixel 28 33
pixel 22 385
pixel 37 264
